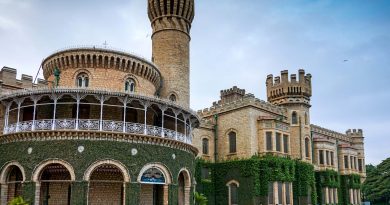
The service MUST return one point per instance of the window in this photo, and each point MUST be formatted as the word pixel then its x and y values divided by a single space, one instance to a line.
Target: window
pixel 130 85
pixel 172 98
pixel 271 193
pixel 232 142
pixel 327 158
pixel 285 143
pixel 321 153
pixel 294 118
pixel 233 192
pixel 345 162
pixel 280 192
pixel 278 143
pixel 307 148
pixel 205 146
pixel 82 80
pixel 269 140
pixel 331 158
pixel 360 165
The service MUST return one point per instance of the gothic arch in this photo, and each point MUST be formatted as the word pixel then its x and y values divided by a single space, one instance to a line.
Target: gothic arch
pixel 159 166
pixel 5 170
pixel 39 168
pixel 119 165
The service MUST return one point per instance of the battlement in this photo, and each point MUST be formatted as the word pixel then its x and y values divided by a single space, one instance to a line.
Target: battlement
pixel 283 90
pixel 243 101
pixel 232 94
pixel 354 132
pixel 8 80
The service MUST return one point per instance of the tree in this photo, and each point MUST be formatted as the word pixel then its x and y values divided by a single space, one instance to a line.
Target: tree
pixel 18 201
pixel 200 199
pixel 376 188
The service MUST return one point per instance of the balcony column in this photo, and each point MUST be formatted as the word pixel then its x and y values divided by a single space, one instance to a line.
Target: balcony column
pixel 53 125
pixel 124 114
pixel 190 132
pixel 34 113
pixel 101 113
pixel 146 105
pixel 185 126
pixel 77 111
pixel 176 112
pixel 163 108
pixel 19 102
pixel 8 106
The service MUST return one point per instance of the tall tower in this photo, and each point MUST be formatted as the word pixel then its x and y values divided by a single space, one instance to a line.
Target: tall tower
pixel 293 94
pixel 171 22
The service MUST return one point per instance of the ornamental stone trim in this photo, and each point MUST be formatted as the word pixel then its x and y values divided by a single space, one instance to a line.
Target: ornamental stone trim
pixel 96 136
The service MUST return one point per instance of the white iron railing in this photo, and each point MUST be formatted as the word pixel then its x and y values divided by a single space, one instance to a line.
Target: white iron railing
pixel 97 125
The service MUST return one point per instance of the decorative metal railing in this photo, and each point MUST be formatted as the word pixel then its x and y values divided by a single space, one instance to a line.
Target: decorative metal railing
pixel 96 125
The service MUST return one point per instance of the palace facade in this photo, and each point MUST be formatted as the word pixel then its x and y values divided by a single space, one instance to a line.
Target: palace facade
pixel 109 127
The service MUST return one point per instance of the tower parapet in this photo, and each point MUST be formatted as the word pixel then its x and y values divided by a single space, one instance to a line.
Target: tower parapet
pixel 282 91
pixel 232 94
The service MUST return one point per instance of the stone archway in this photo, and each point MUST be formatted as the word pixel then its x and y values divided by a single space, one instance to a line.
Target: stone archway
pixel 184 187
pixel 53 180
pixel 11 180
pixel 154 179
pixel 106 182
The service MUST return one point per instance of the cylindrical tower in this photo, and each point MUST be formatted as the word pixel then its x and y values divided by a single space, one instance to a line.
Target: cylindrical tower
pixel 171 22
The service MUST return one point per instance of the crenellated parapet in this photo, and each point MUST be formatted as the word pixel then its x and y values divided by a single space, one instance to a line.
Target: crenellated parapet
pixel 246 100
pixel 171 15
pixel 325 133
pixel 8 80
pixel 282 90
pixel 232 94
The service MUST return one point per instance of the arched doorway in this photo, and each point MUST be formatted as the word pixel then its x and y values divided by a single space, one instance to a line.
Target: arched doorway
pixel 184 187
pixel 106 185
pixel 12 179
pixel 154 179
pixel 55 185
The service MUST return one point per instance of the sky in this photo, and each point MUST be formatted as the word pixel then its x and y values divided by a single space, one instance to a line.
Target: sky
pixel 345 45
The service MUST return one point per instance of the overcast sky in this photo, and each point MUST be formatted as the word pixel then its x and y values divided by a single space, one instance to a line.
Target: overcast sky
pixel 236 42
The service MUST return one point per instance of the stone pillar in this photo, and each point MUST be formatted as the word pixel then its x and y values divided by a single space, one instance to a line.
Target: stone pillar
pixel 79 193
pixel 133 193
pixel 3 196
pixel 37 193
pixel 331 196
pixel 326 195
pixel 165 195
pixel 187 194
pixel 28 191
pixel 173 194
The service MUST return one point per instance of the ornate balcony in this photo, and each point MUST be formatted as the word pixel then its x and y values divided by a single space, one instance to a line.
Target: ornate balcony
pixel 83 109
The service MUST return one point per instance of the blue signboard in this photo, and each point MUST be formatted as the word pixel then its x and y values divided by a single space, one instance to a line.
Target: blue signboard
pixel 153 176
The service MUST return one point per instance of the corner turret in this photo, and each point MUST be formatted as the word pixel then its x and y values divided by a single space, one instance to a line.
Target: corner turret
pixel 282 90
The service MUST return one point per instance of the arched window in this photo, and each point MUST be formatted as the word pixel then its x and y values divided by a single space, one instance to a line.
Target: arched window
pixel 233 192
pixel 307 147
pixel 130 85
pixel 172 97
pixel 294 118
pixel 82 80
pixel 232 142
pixel 205 146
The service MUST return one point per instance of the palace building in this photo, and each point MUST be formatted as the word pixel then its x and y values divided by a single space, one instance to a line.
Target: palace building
pixel 107 127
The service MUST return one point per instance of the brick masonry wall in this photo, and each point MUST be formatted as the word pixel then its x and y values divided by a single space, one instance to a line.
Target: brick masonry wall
pixel 171 54
pixel 105 78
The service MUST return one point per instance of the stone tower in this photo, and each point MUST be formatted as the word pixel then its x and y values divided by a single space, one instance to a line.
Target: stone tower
pixel 293 94
pixel 171 22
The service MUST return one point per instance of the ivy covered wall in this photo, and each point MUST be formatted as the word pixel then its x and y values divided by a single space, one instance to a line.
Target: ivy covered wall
pixel 93 151
pixel 253 175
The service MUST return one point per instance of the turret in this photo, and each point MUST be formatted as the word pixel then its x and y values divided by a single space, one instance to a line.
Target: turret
pixel 171 22
pixel 232 94
pixel 283 91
